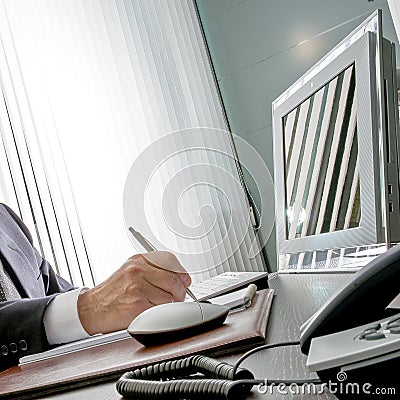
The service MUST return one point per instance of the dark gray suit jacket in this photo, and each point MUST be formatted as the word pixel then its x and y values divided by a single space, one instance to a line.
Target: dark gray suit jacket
pixel 21 321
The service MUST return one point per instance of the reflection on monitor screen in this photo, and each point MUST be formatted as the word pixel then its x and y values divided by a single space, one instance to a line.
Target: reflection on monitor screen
pixel 321 160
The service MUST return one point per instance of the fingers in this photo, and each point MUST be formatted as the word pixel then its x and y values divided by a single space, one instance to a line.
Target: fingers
pixel 156 284
pixel 167 261
pixel 156 295
pixel 167 282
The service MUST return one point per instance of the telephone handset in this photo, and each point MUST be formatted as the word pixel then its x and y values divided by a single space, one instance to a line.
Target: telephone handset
pixel 362 300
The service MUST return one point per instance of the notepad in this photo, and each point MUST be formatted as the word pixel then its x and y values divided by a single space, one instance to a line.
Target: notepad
pixel 92 341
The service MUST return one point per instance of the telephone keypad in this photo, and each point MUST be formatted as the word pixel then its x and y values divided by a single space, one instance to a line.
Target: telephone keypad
pixel 374 336
pixel 363 344
pixel 379 330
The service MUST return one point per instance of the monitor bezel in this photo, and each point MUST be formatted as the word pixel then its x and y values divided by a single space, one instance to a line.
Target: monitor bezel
pixel 360 48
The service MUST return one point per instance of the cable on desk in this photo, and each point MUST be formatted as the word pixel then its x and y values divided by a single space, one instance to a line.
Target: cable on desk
pixel 259 348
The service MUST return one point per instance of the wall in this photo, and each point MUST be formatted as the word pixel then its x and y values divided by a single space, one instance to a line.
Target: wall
pixel 260 47
pixel 394 7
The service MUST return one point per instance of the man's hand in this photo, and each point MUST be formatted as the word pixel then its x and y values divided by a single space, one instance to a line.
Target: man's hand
pixel 143 281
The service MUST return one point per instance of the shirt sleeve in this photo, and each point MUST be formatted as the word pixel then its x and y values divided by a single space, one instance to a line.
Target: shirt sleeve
pixel 61 319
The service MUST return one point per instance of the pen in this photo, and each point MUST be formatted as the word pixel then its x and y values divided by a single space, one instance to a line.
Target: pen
pixel 149 247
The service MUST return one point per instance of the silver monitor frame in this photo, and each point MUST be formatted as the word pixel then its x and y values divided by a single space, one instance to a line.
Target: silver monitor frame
pixel 377 125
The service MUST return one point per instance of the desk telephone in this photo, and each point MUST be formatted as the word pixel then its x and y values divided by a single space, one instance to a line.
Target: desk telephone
pixel 354 335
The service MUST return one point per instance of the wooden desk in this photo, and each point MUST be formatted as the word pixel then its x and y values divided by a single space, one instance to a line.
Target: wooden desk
pixel 297 296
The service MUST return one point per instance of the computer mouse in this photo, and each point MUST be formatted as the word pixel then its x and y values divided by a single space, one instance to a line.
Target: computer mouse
pixel 173 321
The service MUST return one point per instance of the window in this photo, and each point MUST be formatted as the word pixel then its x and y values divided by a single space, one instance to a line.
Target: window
pixel 87 87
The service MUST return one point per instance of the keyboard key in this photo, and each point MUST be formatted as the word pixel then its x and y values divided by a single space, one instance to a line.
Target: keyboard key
pixel 224 283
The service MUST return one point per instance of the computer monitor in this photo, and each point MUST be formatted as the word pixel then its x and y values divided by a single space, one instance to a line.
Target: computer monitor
pixel 336 159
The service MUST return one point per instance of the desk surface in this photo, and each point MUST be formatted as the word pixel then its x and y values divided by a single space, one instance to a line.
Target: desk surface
pixel 297 296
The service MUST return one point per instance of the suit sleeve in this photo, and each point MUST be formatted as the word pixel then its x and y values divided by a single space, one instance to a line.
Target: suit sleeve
pixel 21 321
pixel 21 329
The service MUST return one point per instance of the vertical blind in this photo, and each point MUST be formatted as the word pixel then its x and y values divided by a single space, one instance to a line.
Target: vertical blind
pixel 88 88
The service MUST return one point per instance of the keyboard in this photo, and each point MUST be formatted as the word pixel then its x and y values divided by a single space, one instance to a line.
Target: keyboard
pixel 224 283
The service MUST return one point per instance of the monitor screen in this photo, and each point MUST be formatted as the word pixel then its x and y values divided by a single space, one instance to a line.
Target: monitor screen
pixel 321 160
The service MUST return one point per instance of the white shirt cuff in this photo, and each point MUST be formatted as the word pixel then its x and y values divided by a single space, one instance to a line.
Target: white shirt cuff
pixel 61 319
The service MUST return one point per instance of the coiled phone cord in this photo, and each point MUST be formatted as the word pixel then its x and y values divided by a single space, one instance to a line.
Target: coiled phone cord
pixel 223 386
pixel 182 389
pixel 222 381
pixel 185 367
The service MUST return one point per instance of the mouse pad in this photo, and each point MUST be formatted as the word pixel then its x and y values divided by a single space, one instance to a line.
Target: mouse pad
pixel 240 331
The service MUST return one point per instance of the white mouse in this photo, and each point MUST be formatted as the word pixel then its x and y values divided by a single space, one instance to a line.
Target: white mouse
pixel 173 321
